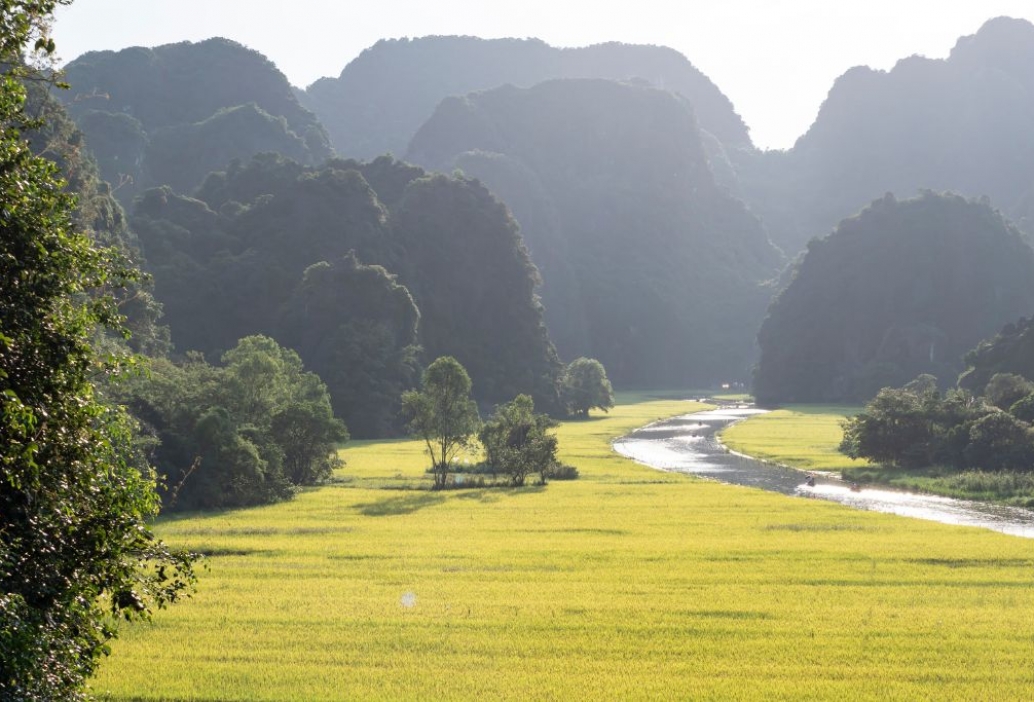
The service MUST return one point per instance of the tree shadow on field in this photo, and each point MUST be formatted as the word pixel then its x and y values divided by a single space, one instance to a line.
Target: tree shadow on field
pixel 404 504
pixel 585 419
pixel 489 495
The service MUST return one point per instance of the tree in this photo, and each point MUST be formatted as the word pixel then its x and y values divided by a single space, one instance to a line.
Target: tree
pixel 1006 389
pixel 585 385
pixel 517 442
pixel 442 413
pixel 75 548
pixel 244 434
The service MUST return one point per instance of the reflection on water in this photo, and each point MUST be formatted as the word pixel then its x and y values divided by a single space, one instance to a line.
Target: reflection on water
pixel 688 444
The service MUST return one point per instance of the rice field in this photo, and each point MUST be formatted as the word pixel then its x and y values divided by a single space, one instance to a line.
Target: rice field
pixel 625 584
pixel 801 436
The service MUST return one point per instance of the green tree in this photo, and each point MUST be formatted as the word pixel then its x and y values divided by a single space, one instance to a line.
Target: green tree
pixel 1006 389
pixel 517 441
pixel 244 434
pixel 585 386
pixel 442 414
pixel 75 548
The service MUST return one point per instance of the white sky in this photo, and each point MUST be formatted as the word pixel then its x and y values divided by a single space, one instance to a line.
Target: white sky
pixel 775 59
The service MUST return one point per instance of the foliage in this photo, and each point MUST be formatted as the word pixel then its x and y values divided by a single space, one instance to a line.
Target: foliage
pixel 357 327
pixel 585 386
pixel 76 551
pixel 442 414
pixel 518 443
pixel 169 115
pixel 246 433
pixel 901 289
pixel 907 429
pixel 1006 389
pixel 310 257
pixel 1011 350
pixel 648 264
pixel 466 264
pixel 346 592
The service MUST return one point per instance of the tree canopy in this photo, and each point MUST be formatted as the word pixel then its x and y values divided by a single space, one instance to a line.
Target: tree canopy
pixel 442 414
pixel 244 433
pixel 314 258
pixel 901 289
pixel 76 549
pixel 171 114
pixel 647 263
pixel 584 386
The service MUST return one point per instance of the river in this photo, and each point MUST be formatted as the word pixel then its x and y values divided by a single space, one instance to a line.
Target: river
pixel 689 444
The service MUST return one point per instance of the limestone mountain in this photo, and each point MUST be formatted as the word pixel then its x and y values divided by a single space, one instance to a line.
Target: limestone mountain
pixel 960 124
pixel 648 265
pixel 382 97
pixel 903 288
pixel 169 115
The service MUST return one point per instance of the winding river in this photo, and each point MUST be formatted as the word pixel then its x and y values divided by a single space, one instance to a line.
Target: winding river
pixel 689 444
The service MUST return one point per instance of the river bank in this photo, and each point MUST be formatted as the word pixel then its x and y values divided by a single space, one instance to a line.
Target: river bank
pixel 690 444
pixel 806 437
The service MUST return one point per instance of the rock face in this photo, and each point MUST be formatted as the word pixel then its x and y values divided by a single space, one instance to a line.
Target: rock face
pixel 648 265
pixel 961 124
pixel 382 97
pixel 171 114
pixel 901 289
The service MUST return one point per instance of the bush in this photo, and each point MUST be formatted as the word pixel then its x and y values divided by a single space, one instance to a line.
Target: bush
pixel 562 472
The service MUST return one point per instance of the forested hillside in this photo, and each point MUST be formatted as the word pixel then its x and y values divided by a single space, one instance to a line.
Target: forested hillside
pixel 383 96
pixel 901 289
pixel 647 263
pixel 171 114
pixel 960 124
pixel 355 284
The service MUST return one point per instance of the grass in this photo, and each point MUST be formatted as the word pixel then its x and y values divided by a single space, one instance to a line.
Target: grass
pixel 807 436
pixel 625 584
pixel 800 436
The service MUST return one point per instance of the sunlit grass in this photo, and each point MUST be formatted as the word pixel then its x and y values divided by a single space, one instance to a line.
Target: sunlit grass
pixel 801 436
pixel 625 584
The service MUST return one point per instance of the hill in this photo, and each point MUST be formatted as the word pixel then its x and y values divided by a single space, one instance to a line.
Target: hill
pixel 356 284
pixel 647 263
pixel 960 124
pixel 169 115
pixel 901 289
pixel 382 97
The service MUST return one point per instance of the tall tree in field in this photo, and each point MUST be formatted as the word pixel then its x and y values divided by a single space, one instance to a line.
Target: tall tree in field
pixel 75 550
pixel 517 441
pixel 584 385
pixel 442 413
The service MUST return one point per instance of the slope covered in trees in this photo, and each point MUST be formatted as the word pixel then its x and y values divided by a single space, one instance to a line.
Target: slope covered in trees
pixel 648 265
pixel 171 114
pixel 960 124
pixel 310 256
pixel 383 96
pixel 1011 350
pixel 901 289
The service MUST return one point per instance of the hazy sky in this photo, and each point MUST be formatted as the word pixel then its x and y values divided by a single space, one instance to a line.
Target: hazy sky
pixel 775 59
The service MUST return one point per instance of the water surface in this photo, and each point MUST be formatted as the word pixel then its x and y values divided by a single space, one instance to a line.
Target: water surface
pixel 689 444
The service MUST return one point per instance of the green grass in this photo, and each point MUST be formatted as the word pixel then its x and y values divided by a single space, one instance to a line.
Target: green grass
pixel 625 584
pixel 800 436
pixel 807 436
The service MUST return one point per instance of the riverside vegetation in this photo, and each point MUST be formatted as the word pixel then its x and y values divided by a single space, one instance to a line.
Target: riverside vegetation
pixel 628 583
